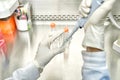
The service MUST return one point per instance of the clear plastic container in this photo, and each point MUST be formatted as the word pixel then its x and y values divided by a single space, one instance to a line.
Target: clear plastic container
pixel 58 41
pixel 52 32
pixel 23 17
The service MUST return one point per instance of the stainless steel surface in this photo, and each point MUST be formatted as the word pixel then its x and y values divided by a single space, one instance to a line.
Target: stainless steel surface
pixel 23 49
pixel 49 10
pixel 55 7
pixel 22 52
pixel 61 10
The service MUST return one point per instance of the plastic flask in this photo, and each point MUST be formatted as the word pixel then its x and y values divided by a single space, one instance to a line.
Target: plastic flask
pixel 62 36
pixel 58 41
pixel 52 32
pixel 66 52
pixel 52 25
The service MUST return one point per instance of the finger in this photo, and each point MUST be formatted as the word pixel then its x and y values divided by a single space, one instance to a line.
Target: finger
pixel 88 3
pixel 82 13
pixel 85 10
pixel 83 3
pixel 59 50
pixel 44 40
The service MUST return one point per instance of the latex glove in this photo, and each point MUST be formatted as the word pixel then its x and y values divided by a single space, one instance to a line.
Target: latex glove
pixel 44 53
pixel 84 8
pixel 95 26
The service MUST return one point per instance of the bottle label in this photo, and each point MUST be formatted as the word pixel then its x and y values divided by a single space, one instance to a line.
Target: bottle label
pixel 22 25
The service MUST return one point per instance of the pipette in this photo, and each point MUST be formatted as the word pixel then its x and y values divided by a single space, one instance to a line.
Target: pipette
pixel 81 22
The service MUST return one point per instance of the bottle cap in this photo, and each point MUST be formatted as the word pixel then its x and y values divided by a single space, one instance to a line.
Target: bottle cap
pixel 52 25
pixel 7 7
pixel 66 29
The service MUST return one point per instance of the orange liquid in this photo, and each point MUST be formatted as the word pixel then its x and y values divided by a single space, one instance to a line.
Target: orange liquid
pixel 8 29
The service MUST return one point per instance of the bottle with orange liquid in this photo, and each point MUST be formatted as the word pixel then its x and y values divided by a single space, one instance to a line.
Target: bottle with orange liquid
pixel 8 28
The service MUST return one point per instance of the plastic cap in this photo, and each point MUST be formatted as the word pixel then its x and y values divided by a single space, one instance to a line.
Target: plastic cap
pixel 52 25
pixel 66 29
pixel 7 7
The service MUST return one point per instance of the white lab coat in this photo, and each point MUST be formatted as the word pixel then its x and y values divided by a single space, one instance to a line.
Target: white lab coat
pixel 111 35
pixel 113 57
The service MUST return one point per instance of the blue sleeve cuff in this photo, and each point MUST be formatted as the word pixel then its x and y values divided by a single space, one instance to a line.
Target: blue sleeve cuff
pixel 30 72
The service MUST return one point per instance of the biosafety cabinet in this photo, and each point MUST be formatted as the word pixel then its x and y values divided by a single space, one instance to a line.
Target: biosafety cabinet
pixel 63 13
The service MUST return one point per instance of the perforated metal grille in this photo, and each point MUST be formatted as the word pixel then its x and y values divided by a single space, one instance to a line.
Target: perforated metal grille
pixel 55 17
pixel 61 10
pixel 62 17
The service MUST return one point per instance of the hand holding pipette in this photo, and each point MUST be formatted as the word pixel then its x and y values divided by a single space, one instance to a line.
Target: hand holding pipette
pixel 81 22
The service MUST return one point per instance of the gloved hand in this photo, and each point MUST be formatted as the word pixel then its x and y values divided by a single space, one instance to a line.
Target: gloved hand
pixel 95 26
pixel 84 7
pixel 44 53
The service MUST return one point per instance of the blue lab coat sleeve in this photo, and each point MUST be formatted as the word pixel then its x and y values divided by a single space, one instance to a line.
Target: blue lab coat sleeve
pixel 30 72
pixel 94 67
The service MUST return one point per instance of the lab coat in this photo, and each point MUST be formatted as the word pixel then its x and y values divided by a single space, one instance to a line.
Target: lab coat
pixel 111 35
pixel 30 72
pixel 113 57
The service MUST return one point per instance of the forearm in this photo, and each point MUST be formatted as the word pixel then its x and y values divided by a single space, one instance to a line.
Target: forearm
pixel 30 72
